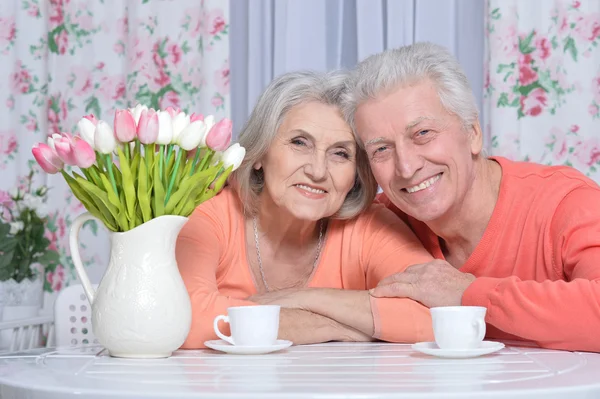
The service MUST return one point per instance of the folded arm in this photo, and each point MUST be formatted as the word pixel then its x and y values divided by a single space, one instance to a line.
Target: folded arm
pixel 563 314
pixel 387 247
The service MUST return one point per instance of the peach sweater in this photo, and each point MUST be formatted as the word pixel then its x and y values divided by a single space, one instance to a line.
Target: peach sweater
pixel 538 262
pixel 356 255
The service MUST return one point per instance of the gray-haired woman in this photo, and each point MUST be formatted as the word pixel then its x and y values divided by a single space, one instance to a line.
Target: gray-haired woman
pixel 297 228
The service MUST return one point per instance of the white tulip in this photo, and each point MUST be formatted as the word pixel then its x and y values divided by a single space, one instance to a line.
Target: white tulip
pixel 86 130
pixel 104 139
pixel 14 192
pixel 137 112
pixel 165 128
pixel 192 135
pixel 54 137
pixel 234 155
pixel 180 122
pixel 15 227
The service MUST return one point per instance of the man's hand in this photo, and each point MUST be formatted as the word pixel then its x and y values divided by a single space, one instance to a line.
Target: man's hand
pixel 435 283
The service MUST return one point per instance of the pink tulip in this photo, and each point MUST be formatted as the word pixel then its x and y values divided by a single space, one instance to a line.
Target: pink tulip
pixel 196 117
pixel 84 154
pixel 219 136
pixel 147 129
pixel 124 126
pixel 63 146
pixel 47 158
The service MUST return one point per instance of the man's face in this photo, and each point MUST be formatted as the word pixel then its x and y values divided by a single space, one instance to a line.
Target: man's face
pixel 420 154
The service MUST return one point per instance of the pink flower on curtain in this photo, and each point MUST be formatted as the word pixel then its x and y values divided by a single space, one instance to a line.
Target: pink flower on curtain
pixel 534 103
pixel 31 124
pixel 81 80
pixel 112 87
pixel 558 140
pixel 588 151
pixel 587 27
pixel 593 109
pixel 122 27
pixel 222 78
pixel 119 48
pixel 526 73
pixel 62 41
pixel 596 89
pixel 169 99
pixel 544 48
pixel 57 13
pixel 8 142
pixel 217 101
pixel 56 279
pixel 8 31
pixel 175 54
pixel 20 79
pixel 33 10
pixel 216 21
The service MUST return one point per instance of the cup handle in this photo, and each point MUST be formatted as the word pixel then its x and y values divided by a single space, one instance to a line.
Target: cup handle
pixel 74 246
pixel 479 324
pixel 224 337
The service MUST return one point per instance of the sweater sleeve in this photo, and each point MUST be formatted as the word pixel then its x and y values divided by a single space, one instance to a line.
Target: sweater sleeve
pixel 200 245
pixel 389 247
pixel 561 314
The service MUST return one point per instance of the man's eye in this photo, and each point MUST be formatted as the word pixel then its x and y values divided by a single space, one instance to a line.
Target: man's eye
pixel 381 149
pixel 422 133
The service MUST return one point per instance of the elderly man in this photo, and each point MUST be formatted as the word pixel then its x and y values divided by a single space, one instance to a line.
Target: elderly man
pixel 521 239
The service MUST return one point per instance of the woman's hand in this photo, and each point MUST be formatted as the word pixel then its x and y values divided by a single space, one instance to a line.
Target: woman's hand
pixel 292 298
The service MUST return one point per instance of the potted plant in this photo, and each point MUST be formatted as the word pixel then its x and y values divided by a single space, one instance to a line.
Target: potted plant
pixel 24 250
pixel 141 176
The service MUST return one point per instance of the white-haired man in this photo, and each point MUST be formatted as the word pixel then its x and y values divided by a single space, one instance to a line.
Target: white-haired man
pixel 519 238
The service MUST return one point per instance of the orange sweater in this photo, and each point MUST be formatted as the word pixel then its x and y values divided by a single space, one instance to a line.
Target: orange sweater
pixel 356 255
pixel 538 262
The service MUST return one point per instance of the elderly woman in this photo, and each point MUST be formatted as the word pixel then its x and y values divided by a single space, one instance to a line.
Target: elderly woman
pixel 297 228
pixel 519 238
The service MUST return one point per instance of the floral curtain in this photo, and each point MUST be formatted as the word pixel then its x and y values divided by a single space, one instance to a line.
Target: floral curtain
pixel 63 59
pixel 542 88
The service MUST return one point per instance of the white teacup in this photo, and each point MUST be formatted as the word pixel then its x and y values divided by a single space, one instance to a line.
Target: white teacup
pixel 458 327
pixel 250 325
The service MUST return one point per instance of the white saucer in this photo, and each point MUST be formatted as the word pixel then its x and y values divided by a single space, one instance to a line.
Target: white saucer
pixel 224 346
pixel 431 348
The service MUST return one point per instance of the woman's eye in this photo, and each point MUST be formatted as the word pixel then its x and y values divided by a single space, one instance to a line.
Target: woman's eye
pixel 298 141
pixel 342 154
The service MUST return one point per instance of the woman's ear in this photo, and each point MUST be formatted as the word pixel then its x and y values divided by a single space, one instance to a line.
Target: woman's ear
pixel 257 165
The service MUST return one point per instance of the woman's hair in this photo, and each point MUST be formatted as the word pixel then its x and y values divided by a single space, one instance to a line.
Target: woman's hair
pixel 386 71
pixel 282 94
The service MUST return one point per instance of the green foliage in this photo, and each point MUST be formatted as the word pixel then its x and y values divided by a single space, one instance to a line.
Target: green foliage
pixel 22 241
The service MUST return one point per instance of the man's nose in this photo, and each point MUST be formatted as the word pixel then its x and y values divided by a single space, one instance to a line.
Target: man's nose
pixel 408 162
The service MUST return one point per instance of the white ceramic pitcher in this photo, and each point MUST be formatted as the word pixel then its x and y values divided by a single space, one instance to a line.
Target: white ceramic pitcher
pixel 141 308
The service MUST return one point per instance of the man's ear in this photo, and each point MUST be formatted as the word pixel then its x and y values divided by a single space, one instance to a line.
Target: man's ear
pixel 476 138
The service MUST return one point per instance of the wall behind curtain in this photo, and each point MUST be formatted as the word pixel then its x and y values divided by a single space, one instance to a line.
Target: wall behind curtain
pixel 270 37
pixel 62 59
pixel 543 81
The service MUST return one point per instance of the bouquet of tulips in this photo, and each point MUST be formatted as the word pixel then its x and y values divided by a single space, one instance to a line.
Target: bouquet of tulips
pixel 149 163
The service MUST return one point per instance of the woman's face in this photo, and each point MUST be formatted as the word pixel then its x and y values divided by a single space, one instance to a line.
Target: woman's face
pixel 311 165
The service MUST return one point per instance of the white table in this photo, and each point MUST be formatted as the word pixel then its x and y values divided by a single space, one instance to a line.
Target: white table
pixel 336 370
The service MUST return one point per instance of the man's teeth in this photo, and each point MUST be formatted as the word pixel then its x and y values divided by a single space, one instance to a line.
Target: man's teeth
pixel 310 189
pixel 424 185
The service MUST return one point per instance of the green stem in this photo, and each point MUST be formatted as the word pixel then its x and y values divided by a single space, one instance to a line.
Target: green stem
pixel 173 175
pixel 196 157
pixel 127 152
pixel 207 158
pixel 169 154
pixel 100 161
pixel 161 161
pixel 109 166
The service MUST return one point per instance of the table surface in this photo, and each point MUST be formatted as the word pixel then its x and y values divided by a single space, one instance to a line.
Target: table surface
pixel 333 370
